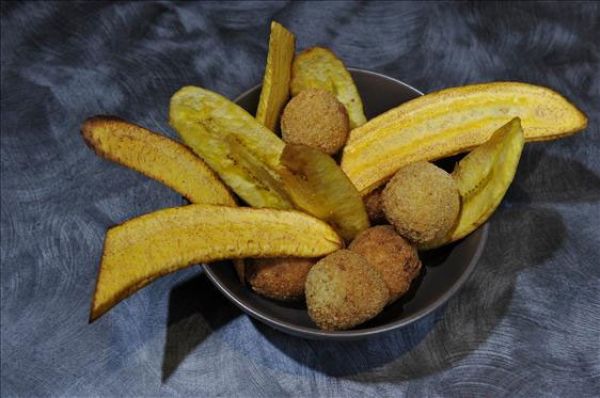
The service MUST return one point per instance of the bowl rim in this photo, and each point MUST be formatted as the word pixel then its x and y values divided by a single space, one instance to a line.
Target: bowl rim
pixel 302 331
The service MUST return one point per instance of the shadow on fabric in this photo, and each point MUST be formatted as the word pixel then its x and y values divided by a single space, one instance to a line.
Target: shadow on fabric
pixel 547 178
pixel 348 358
pixel 474 313
pixel 196 309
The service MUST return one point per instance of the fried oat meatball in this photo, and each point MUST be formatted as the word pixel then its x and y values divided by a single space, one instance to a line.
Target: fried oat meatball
pixel 395 258
pixel 422 202
pixel 280 278
pixel 317 119
pixel 374 207
pixel 343 290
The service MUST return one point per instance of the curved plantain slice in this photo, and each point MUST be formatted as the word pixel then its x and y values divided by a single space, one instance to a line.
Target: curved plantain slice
pixel 303 195
pixel 205 119
pixel 147 247
pixel 222 117
pixel 263 177
pixel 499 156
pixel 452 121
pixel 157 157
pixel 319 67
pixel 476 169
pixel 217 152
pixel 317 185
pixel 276 82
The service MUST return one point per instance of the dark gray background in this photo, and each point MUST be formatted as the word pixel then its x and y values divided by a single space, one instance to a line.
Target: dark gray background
pixel 526 323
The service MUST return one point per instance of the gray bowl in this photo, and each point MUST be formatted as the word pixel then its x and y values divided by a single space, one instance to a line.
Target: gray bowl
pixel 444 270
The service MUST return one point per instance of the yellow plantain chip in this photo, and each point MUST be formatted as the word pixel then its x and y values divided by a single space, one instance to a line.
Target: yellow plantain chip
pixel 157 157
pixel 319 68
pixel 147 247
pixel 476 169
pixel 264 177
pixel 452 121
pixel 484 176
pixel 205 119
pixel 318 186
pixel 276 82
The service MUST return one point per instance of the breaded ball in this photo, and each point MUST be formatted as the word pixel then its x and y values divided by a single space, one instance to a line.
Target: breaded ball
pixel 374 207
pixel 280 278
pixel 421 201
pixel 395 258
pixel 343 290
pixel 317 119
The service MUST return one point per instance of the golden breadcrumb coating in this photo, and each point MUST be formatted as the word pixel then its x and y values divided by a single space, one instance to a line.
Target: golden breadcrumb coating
pixel 395 258
pixel 317 119
pixel 374 207
pixel 280 278
pixel 343 290
pixel 422 202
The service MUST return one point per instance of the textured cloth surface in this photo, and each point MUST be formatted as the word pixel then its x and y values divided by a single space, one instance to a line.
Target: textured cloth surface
pixel 525 324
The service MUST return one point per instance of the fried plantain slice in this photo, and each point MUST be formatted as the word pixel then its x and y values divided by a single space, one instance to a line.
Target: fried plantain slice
pixel 276 81
pixel 318 186
pixel 220 116
pixel 204 119
pixel 157 157
pixel 147 247
pixel 452 121
pixel 264 177
pixel 319 68
pixel 485 175
pixel 476 169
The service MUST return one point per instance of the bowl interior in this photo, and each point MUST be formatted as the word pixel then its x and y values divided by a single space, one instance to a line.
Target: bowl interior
pixel 444 270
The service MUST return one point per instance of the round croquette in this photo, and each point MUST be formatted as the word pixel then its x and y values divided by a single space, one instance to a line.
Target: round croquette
pixel 343 290
pixel 280 278
pixel 395 258
pixel 421 201
pixel 374 207
pixel 317 119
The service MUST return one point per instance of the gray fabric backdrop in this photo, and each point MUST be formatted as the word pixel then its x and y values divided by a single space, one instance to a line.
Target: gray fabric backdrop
pixel 526 323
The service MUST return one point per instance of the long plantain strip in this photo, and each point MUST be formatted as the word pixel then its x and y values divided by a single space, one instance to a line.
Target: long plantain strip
pixel 153 245
pixel 222 117
pixel 452 121
pixel 276 81
pixel 205 119
pixel 157 157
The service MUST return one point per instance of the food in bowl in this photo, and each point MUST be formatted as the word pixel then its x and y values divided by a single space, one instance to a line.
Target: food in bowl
pixel 343 290
pixel 255 165
pixel 374 206
pixel 421 201
pixel 320 68
pixel 279 278
pixel 395 258
pixel 317 119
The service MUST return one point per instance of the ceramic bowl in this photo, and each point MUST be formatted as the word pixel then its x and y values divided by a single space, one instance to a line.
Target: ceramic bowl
pixel 444 270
